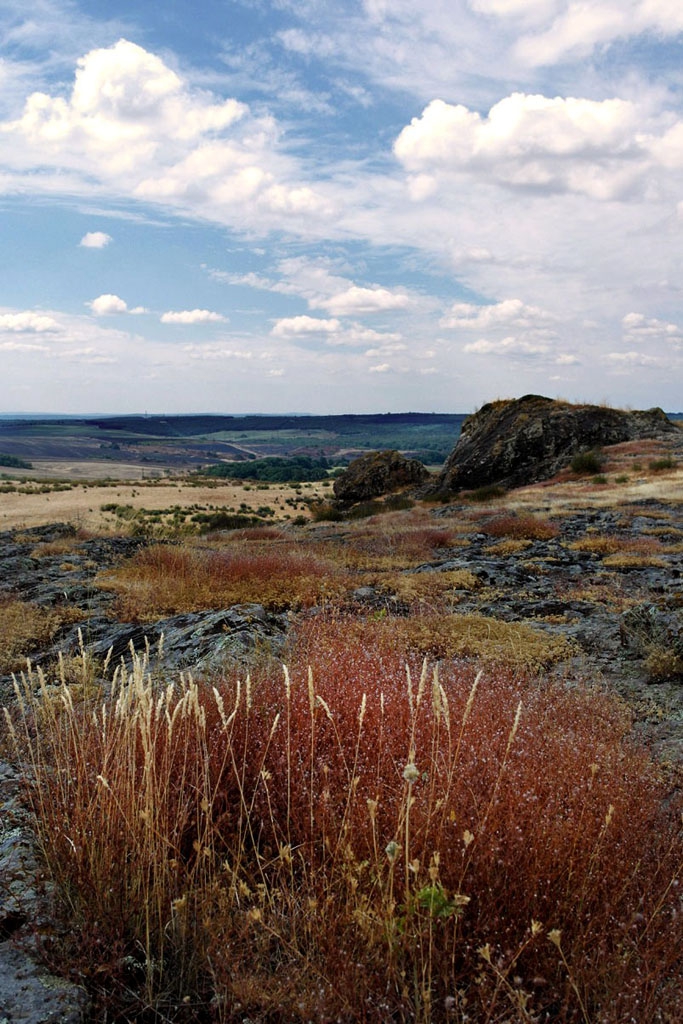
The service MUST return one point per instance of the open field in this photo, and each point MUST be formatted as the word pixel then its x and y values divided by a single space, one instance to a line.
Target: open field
pixel 461 801
pixel 82 503
pixel 628 476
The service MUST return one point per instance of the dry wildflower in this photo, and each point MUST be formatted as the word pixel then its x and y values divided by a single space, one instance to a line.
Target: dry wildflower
pixel 555 936
pixel 391 850
pixel 410 773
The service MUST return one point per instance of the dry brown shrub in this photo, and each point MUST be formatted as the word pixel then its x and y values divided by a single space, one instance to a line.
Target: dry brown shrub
pixel 521 527
pixel 663 663
pixel 167 580
pixel 350 843
pixel 429 587
pixel 597 545
pixel 477 637
pixel 507 547
pixel 61 546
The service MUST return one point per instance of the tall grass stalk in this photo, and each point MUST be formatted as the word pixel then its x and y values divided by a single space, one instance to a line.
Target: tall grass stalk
pixel 330 843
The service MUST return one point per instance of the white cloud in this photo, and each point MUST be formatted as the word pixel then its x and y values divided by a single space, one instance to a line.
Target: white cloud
pixel 106 305
pixel 637 326
pixel 581 25
pixel 28 323
pixel 192 316
pixel 567 360
pixel 466 315
pixel 95 240
pixel 303 325
pixel 589 147
pixel 132 126
pixel 632 359
pixel 355 300
pixel 216 352
pixel 22 346
pixel 510 345
pixel 380 368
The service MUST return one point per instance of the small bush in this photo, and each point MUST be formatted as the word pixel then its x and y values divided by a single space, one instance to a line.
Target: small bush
pixel 661 465
pixel 520 527
pixel 325 512
pixel 587 463
pixel 351 844
pixel 490 492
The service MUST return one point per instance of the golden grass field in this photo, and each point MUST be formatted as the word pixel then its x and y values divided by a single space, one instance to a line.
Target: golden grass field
pixel 81 504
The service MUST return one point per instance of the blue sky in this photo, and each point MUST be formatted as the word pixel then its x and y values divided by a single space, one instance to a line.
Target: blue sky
pixel 370 205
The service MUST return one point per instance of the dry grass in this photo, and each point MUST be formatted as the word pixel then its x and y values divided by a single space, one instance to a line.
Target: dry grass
pixel 624 552
pixel 25 627
pixel 429 588
pixel 346 844
pixel 507 547
pixel 520 526
pixel 393 541
pixel 167 580
pixel 441 635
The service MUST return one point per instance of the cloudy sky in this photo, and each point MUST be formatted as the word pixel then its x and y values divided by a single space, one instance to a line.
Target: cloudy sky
pixel 349 206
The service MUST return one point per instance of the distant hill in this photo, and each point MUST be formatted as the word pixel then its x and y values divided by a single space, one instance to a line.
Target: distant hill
pixel 192 426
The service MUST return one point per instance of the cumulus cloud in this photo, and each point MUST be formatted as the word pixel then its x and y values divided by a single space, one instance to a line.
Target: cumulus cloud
pixel 380 368
pixel 467 316
pixel 589 147
pixel 510 345
pixel 304 325
pixel 356 300
pixel 131 124
pixel 637 325
pixel 192 316
pixel 95 240
pixel 28 323
pixel 106 305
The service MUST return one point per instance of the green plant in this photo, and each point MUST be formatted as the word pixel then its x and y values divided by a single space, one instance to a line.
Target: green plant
pixel 588 462
pixel 490 492
pixel 660 465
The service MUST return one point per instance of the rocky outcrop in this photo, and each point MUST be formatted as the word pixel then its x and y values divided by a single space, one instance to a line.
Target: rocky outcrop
pixel 521 441
pixel 378 473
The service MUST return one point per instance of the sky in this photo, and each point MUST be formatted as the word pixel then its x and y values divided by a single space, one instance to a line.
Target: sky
pixel 311 206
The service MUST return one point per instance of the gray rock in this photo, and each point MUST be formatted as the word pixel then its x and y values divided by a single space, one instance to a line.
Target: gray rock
pixel 28 995
pixel 378 473
pixel 516 442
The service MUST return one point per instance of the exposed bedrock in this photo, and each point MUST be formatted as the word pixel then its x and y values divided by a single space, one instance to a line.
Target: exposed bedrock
pixel 515 442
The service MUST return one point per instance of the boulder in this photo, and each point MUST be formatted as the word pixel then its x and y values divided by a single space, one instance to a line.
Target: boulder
pixel 514 442
pixel 378 473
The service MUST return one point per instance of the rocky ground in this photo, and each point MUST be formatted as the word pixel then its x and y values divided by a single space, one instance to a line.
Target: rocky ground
pixel 610 579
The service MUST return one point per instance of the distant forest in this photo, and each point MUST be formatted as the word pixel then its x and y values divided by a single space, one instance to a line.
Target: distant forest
pixel 191 426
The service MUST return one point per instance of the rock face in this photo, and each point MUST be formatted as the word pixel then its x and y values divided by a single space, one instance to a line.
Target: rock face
pixel 520 441
pixel 378 473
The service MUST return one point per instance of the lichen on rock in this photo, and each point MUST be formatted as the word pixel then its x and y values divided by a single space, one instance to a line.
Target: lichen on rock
pixel 515 442
pixel 378 473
